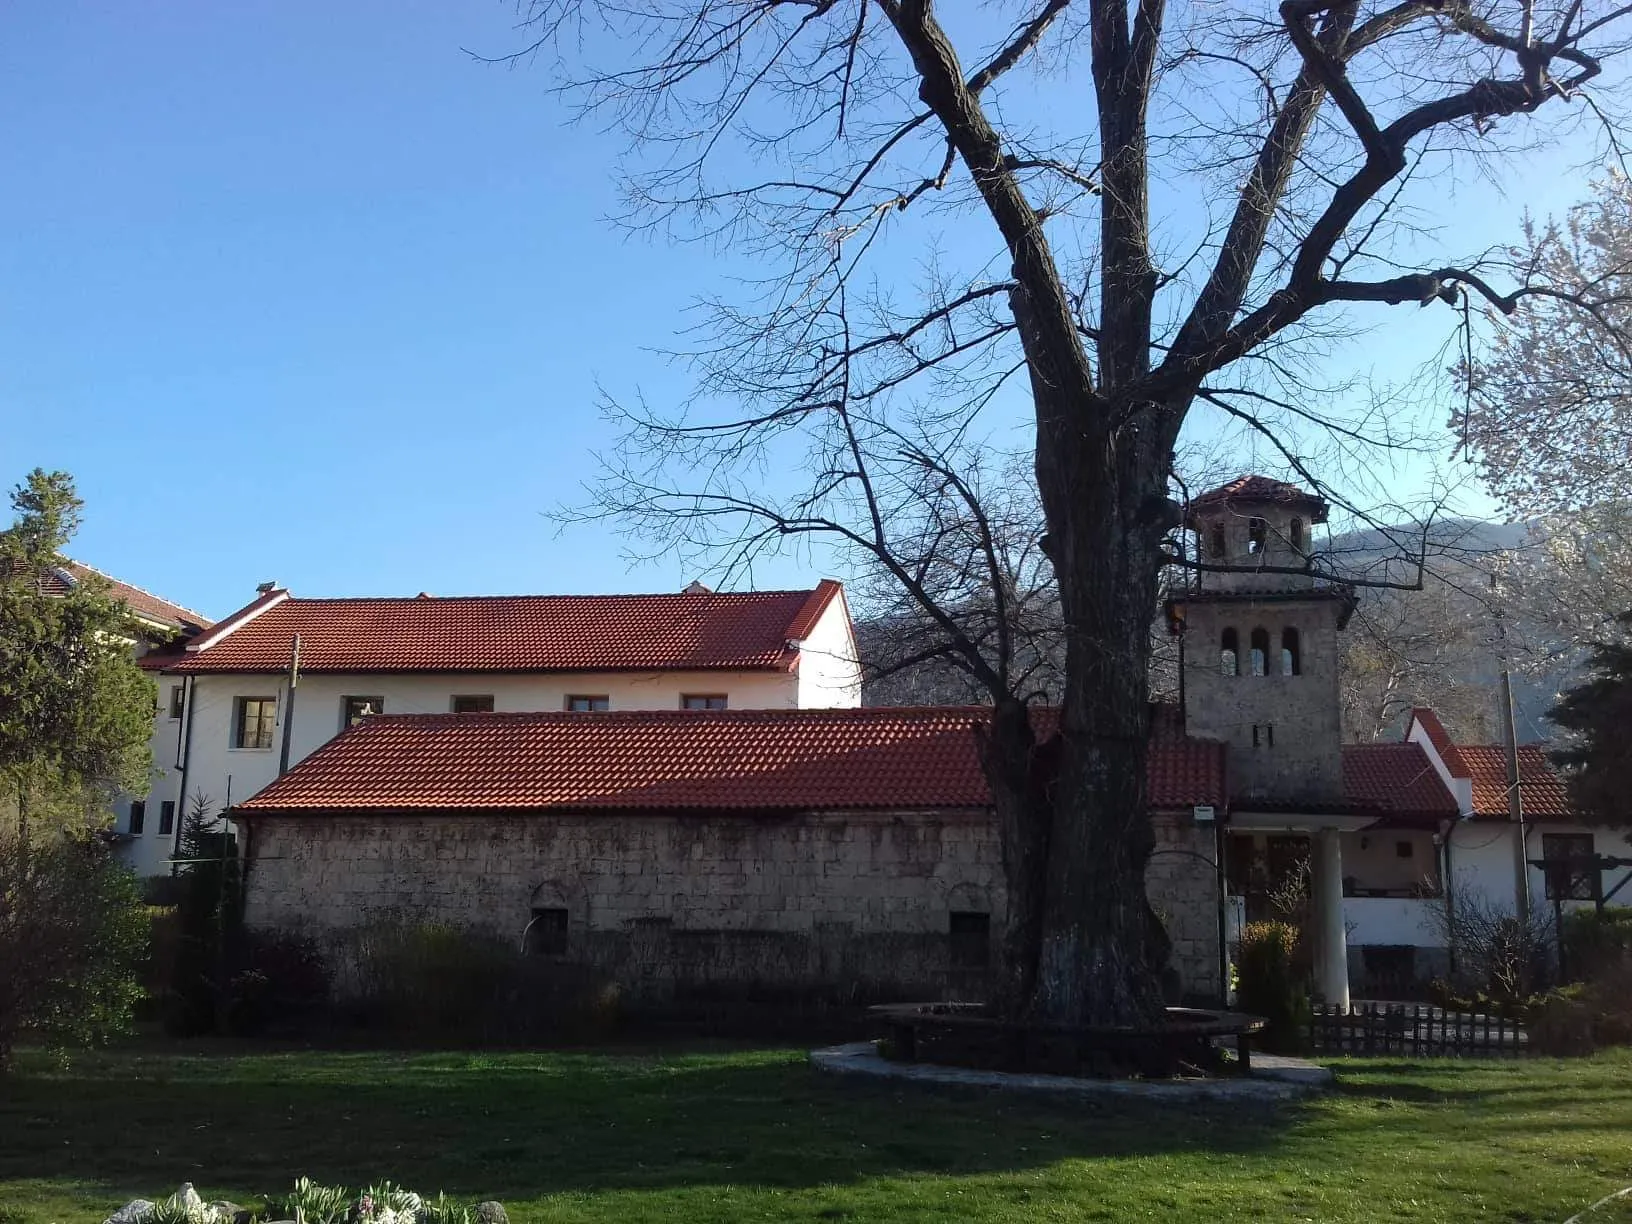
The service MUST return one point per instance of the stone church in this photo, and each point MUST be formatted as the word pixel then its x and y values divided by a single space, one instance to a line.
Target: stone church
pixel 709 847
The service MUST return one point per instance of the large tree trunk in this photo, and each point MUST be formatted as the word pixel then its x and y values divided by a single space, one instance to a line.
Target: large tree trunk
pixel 1100 950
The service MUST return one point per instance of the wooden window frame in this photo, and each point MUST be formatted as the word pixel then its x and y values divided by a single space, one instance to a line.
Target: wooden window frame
pixel 586 703
pixel 687 700
pixel 347 720
pixel 178 701
pixel 264 721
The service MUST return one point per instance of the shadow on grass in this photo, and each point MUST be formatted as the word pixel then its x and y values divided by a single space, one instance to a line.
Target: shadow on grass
pixel 524 1125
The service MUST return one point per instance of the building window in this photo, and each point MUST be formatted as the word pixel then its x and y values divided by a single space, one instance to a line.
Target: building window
pixel 1260 652
pixel 1404 849
pixel 1294 533
pixel 1220 545
pixel 970 939
pixel 178 700
pixel 703 701
pixel 1291 656
pixel 252 722
pixel 547 933
pixel 167 816
pixel 138 816
pixel 1257 536
pixel 473 703
pixel 1572 872
pixel 580 704
pixel 1229 657
pixel 354 709
pixel 1263 735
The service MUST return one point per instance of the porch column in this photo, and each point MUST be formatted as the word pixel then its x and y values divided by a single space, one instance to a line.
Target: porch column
pixel 1331 937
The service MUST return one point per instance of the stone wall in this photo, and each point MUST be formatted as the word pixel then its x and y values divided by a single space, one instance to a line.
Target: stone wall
pixel 1182 883
pixel 857 904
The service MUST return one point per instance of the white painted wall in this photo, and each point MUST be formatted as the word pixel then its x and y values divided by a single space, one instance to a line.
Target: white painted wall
pixel 829 669
pixel 1482 861
pixel 1393 920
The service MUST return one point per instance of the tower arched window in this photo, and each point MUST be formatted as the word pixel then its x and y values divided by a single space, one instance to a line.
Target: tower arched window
pixel 1229 658
pixel 1294 534
pixel 1257 536
pixel 1291 656
pixel 1218 545
pixel 1260 652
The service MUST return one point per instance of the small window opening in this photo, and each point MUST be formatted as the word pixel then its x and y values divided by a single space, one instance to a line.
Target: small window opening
pixel 473 703
pixel 703 701
pixel 354 709
pixel 970 937
pixel 1294 533
pixel 1257 536
pixel 1230 654
pixel 547 932
pixel 167 816
pixel 1219 545
pixel 1291 660
pixel 1263 735
pixel 1260 652
pixel 178 700
pixel 580 703
pixel 138 816
pixel 1404 849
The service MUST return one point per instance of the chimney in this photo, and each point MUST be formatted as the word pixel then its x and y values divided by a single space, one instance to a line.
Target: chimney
pixel 697 588
pixel 266 588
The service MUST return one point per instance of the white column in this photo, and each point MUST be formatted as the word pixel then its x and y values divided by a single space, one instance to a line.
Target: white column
pixel 1331 937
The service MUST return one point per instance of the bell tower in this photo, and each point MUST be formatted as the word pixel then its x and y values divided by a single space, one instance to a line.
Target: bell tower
pixel 1260 642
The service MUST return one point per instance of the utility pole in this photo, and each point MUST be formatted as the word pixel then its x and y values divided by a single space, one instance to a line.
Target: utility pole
pixel 289 704
pixel 1515 804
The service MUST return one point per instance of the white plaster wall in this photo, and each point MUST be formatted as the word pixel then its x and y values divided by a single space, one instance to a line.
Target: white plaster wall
pixel 319 701
pixel 1461 788
pixel 1482 861
pixel 148 853
pixel 1372 858
pixel 829 670
pixel 1393 920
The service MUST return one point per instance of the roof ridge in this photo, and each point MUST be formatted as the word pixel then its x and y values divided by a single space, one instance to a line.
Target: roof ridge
pixel 426 598
pixel 747 714
pixel 203 620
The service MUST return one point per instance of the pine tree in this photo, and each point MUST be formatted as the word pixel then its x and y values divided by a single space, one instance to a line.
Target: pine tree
pixel 75 710
pixel 1598 715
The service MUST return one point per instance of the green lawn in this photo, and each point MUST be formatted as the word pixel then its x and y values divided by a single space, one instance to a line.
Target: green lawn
pixel 734 1135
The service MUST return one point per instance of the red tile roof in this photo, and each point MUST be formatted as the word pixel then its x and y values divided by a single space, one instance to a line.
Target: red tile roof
pixel 1259 490
pixel 700 631
pixel 761 760
pixel 1542 790
pixel 144 604
pixel 1400 780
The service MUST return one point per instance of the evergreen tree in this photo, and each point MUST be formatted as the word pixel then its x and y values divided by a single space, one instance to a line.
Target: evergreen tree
pixel 75 710
pixel 1598 715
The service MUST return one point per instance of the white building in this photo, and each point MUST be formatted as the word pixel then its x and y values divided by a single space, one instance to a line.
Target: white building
pixel 142 829
pixel 237 709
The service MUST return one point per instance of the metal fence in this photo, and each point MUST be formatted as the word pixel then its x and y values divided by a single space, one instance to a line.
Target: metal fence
pixel 1416 1030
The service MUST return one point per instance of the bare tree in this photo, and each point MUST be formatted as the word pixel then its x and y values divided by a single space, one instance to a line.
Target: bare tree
pixel 819 136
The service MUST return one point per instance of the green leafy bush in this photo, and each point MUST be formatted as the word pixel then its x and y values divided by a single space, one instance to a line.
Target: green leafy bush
pixel 1595 944
pixel 73 938
pixel 1585 1016
pixel 1269 985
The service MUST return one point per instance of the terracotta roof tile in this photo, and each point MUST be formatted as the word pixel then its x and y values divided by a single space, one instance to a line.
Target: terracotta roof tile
pixel 143 603
pixel 1259 490
pixel 1542 790
pixel 760 760
pixel 520 633
pixel 1400 780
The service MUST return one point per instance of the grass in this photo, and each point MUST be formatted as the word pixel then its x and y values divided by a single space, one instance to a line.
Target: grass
pixel 753 1134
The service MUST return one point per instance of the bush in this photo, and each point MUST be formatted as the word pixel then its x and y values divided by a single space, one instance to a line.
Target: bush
pixel 429 979
pixel 73 938
pixel 1270 986
pixel 1583 1017
pixel 279 981
pixel 1596 944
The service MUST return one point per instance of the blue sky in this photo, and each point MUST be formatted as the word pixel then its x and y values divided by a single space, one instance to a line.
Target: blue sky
pixel 299 291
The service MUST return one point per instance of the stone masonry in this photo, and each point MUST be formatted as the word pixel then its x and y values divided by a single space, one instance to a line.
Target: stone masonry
pixel 856 903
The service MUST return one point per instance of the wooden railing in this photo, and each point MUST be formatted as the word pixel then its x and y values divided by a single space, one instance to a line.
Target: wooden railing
pixel 1418 1031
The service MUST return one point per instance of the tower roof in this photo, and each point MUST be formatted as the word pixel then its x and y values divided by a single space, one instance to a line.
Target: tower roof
pixel 1247 492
